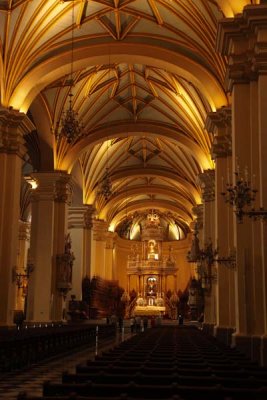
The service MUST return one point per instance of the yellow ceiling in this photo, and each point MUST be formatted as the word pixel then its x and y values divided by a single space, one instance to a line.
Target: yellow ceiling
pixel 146 75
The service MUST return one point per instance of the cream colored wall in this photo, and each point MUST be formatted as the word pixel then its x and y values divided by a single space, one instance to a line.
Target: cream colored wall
pixel 122 250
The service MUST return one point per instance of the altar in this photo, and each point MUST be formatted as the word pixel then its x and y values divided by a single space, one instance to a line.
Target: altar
pixel 149 311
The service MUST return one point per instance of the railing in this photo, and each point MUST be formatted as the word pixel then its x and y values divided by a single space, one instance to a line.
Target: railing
pixel 33 345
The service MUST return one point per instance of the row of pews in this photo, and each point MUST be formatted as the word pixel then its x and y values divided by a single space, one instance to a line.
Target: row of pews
pixel 166 362
pixel 20 349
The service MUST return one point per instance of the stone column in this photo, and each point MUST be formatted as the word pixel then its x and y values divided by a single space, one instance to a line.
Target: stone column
pixel 62 200
pixel 49 227
pixel 207 184
pixel 243 40
pixel 88 241
pixel 100 229
pixel 220 125
pixel 109 258
pixel 13 125
pixel 76 228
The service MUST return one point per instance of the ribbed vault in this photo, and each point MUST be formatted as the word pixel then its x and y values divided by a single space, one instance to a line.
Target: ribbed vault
pixel 146 74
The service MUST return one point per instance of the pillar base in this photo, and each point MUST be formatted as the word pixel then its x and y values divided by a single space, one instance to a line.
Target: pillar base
pixel 264 350
pixel 250 345
pixel 224 334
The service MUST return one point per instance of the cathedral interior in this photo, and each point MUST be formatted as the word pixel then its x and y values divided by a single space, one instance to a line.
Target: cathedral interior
pixel 133 173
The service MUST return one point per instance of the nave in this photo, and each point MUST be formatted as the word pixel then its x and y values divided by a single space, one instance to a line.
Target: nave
pixel 164 362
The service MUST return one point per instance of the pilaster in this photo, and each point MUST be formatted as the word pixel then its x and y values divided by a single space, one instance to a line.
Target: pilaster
pixel 219 124
pixel 13 125
pixel 243 40
pixel 80 244
pixel 88 217
pixel 100 231
pixel 49 227
pixel 206 181
pixel 110 245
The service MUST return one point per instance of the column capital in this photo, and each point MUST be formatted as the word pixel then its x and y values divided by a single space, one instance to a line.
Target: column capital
pixel 243 39
pixel 76 216
pixel 206 180
pixel 219 124
pixel 54 186
pixel 89 215
pixel 63 189
pixel 100 229
pixel 13 125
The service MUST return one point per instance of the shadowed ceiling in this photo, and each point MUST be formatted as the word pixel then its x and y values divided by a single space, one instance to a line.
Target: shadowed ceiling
pixel 146 74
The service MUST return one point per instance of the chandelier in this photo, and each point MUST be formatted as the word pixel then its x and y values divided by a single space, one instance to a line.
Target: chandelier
pixel 241 196
pixel 69 126
pixel 106 185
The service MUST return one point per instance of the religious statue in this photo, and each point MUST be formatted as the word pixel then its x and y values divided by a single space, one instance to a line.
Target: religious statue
pixel 64 266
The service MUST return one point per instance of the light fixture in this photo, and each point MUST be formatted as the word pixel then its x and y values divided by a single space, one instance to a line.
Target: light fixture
pixel 22 279
pixel 106 185
pixel 208 255
pixel 69 127
pixel 242 195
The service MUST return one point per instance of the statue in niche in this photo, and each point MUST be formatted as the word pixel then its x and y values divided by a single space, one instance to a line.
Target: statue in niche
pixel 152 248
pixel 65 264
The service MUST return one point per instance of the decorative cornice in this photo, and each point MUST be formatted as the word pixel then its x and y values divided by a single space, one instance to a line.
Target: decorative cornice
pixel 207 183
pixel 89 216
pixel 54 186
pixel 100 229
pixel 221 147
pixel 220 121
pixel 13 125
pixel 243 40
pixel 219 124
pixel 63 189
pixel 76 217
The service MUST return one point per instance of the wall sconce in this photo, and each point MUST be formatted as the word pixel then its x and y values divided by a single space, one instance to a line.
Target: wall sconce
pixel 242 195
pixel 22 279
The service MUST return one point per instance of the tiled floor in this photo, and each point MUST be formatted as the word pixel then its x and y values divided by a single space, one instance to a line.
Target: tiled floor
pixel 31 380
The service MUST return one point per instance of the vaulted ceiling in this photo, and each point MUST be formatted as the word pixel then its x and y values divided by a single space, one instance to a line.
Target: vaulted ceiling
pixel 146 74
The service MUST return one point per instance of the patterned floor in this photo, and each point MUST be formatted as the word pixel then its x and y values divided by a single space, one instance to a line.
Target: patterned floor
pixel 31 380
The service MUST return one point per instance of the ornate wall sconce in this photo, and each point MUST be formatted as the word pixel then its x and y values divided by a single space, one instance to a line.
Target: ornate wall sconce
pixel 229 261
pixel 242 195
pixel 22 279
pixel 205 259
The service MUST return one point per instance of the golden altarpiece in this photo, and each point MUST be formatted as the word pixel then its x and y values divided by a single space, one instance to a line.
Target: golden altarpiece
pixel 151 269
